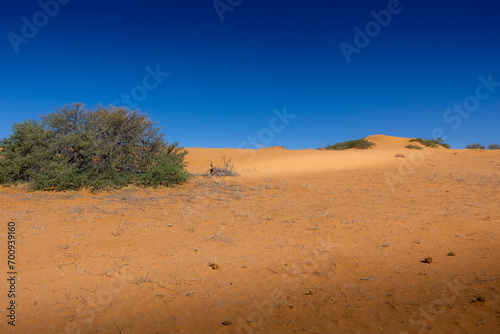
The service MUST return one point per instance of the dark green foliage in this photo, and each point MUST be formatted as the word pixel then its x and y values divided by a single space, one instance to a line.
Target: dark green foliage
pixel 414 147
pixel 493 147
pixel 74 147
pixel 358 143
pixel 431 142
pixel 440 141
pixel 476 146
pixel 425 142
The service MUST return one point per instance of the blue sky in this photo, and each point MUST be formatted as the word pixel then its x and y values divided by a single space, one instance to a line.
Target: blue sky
pixel 234 65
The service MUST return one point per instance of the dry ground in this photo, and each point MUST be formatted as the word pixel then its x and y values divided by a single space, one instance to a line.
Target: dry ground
pixel 306 241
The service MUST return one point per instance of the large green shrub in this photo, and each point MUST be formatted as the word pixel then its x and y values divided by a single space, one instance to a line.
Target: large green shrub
pixel 75 147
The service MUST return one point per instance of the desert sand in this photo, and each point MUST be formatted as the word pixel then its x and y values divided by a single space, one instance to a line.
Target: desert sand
pixel 308 241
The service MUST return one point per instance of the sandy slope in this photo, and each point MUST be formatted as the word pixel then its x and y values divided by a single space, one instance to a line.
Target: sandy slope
pixel 308 241
pixel 277 160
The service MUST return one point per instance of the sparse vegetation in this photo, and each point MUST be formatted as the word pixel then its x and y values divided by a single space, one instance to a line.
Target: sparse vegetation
pixel 358 143
pixel 428 259
pixel 288 227
pixel 227 169
pixel 481 299
pixel 476 146
pixel 431 142
pixel 414 147
pixel 104 148
pixel 451 254
pixel 399 155
pixel 425 142
pixel 214 264
pixel 440 141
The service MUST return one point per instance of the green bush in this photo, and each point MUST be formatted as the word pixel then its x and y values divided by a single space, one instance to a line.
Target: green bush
pixel 74 147
pixel 493 147
pixel 358 143
pixel 476 146
pixel 440 141
pixel 414 147
pixel 431 142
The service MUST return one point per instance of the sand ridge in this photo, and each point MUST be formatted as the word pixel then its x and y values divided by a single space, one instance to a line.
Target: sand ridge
pixel 277 160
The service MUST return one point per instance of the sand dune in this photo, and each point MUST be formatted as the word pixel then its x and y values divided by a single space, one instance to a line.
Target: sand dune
pixel 280 161
pixel 308 241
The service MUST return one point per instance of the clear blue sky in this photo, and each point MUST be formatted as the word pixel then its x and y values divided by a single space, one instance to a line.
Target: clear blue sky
pixel 226 76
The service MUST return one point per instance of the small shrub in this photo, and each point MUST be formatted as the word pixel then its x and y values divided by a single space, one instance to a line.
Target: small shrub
pixel 399 155
pixel 493 147
pixel 226 170
pixel 414 147
pixel 440 141
pixel 451 254
pixel 425 142
pixel 358 143
pixel 75 147
pixel 214 264
pixel 431 142
pixel 428 259
pixel 476 146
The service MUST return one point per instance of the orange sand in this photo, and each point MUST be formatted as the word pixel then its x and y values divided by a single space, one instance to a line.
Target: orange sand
pixel 308 241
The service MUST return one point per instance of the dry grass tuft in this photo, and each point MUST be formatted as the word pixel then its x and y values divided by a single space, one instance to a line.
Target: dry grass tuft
pixel 214 264
pixel 428 260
